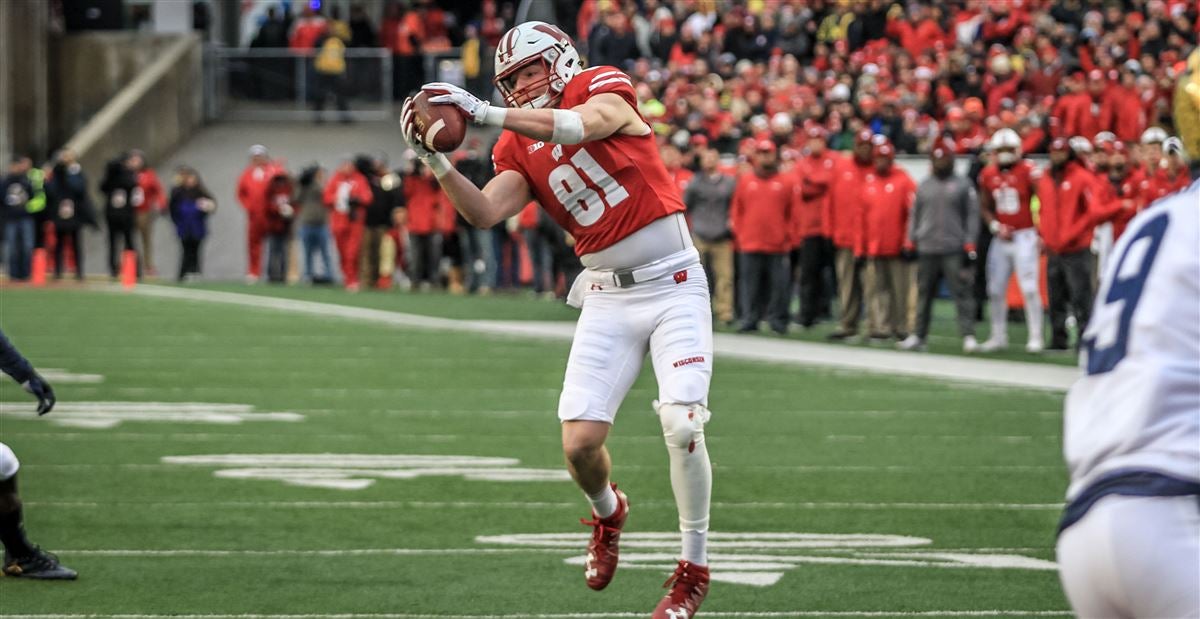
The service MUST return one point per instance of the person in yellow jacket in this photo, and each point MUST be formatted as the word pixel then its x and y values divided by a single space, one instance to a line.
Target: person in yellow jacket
pixel 330 71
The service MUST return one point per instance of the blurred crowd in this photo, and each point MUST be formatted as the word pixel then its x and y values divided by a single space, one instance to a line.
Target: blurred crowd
pixel 915 72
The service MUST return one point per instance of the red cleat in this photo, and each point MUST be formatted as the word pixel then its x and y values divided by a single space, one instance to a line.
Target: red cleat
pixel 601 561
pixel 689 586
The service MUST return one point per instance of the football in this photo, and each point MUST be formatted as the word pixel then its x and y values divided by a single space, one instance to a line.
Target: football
pixel 441 127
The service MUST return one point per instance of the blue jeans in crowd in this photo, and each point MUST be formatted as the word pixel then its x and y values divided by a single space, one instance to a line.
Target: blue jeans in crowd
pixel 18 238
pixel 316 239
pixel 478 258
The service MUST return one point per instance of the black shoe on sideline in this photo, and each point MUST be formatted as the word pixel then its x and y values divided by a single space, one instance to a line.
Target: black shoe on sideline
pixel 40 565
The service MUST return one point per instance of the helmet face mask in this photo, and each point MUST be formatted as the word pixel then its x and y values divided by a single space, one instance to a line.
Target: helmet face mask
pixel 527 44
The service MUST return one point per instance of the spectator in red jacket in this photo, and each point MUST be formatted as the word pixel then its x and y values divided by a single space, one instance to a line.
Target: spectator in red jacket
pixel 450 249
pixel 842 220
pixel 761 216
pixel 307 30
pixel 1065 191
pixel 887 197
pixel 149 201
pixel 252 194
pixel 347 195
pixel 1172 174
pixel 813 261
pixel 281 212
pixel 421 194
pixel 1126 115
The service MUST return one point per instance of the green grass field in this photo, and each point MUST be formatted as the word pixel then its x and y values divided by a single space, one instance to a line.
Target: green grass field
pixel 883 495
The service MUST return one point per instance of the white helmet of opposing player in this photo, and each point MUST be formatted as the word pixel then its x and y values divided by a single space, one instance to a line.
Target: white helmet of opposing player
pixel 526 44
pixel 1007 146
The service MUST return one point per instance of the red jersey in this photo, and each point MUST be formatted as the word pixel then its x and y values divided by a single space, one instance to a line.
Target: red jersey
pixel 887 202
pixel 814 175
pixel 681 176
pixel 844 217
pixel 602 191
pixel 762 212
pixel 1011 191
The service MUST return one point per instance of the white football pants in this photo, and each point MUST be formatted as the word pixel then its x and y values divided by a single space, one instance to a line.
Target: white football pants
pixel 1020 255
pixel 1134 557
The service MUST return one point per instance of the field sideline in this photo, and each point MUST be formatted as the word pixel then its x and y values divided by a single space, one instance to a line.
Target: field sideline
pixel 218 461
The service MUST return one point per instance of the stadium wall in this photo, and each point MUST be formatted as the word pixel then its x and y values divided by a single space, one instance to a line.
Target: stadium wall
pixel 156 112
pixel 90 68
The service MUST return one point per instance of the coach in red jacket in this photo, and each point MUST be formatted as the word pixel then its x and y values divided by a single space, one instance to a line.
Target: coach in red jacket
pixel 841 221
pixel 761 216
pixel 814 173
pixel 149 201
pixel 252 194
pixel 887 198
pixel 347 195
pixel 421 193
pixel 1065 191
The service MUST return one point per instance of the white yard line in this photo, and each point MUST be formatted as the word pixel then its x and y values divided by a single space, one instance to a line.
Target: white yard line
pixel 612 615
pixel 812 505
pixel 728 346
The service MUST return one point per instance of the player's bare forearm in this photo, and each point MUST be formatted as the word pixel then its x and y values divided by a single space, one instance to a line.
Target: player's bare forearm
pixel 504 196
pixel 598 118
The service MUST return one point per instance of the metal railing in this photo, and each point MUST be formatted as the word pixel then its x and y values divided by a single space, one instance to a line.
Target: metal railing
pixel 280 84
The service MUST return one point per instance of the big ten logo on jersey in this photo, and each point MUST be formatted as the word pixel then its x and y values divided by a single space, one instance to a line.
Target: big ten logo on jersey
pixel 585 203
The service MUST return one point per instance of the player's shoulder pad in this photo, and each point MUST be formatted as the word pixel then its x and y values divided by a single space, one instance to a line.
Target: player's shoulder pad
pixel 601 78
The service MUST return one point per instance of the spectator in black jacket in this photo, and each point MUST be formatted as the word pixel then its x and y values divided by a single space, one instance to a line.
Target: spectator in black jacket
pixel 17 190
pixel 117 187
pixel 190 205
pixel 388 197
pixel 70 209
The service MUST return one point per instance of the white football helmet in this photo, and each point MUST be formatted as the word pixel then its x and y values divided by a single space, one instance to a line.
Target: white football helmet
pixel 1007 146
pixel 531 42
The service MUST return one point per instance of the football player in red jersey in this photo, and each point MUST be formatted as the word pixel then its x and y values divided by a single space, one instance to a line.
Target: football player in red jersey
pixel 574 141
pixel 1006 189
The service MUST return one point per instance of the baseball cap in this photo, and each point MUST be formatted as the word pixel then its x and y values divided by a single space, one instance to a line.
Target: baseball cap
pixel 864 137
pixel 258 150
pixel 1095 75
pixel 1060 144
pixel 816 131
pixel 942 148
pixel 699 140
pixel 884 149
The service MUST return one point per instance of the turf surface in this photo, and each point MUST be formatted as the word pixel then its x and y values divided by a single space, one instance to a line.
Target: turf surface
pixel 795 451
pixel 522 305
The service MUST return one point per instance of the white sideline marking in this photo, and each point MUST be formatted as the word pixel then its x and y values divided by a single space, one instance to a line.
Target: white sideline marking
pixel 943 367
pixel 614 615
pixel 555 505
pixel 359 471
pixel 102 415
pixel 59 375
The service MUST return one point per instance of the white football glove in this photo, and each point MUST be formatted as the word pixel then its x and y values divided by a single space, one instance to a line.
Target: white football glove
pixel 409 131
pixel 448 94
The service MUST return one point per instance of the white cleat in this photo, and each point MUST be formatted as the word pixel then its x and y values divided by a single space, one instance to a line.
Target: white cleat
pixel 1034 346
pixel 970 344
pixel 993 344
pixel 911 342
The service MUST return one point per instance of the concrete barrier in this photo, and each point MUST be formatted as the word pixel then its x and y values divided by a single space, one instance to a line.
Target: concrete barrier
pixel 155 112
